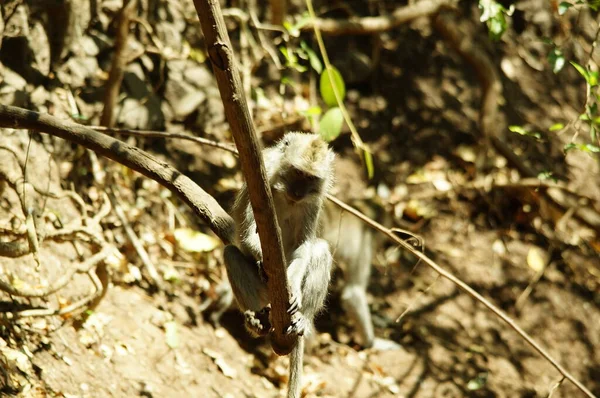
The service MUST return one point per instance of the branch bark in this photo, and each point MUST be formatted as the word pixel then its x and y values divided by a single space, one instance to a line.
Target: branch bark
pixel 371 25
pixel 204 205
pixel 222 59
pixel 115 77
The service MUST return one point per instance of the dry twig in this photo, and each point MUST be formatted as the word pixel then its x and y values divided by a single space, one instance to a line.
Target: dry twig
pixel 237 112
pixel 204 205
pixel 371 25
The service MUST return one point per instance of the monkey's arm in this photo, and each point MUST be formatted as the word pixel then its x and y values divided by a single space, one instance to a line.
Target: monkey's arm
pixel 309 273
pixel 249 240
pixel 249 289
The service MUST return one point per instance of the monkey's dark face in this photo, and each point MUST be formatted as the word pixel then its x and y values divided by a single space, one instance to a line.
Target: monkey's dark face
pixel 300 185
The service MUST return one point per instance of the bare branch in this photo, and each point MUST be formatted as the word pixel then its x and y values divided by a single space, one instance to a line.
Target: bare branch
pixel 465 288
pixel 204 205
pixel 236 110
pixel 61 282
pixel 462 285
pixel 371 25
pixel 119 61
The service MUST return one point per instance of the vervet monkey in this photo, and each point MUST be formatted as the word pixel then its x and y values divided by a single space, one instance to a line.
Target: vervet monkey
pixel 300 173
pixel 352 244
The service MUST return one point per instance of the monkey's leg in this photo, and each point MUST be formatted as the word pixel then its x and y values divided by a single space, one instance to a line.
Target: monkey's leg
pixel 309 274
pixel 358 255
pixel 249 290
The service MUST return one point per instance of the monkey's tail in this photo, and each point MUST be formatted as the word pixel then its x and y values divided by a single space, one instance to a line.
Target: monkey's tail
pixel 296 359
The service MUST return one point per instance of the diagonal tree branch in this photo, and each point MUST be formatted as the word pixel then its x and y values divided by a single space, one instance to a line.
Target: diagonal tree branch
pixel 204 205
pixel 372 25
pixel 222 59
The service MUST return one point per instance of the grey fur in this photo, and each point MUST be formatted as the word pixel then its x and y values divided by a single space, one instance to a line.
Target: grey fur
pixel 299 169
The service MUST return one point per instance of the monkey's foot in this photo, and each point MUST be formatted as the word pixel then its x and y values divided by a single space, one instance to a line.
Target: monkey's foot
pixel 258 323
pixel 299 325
pixel 294 306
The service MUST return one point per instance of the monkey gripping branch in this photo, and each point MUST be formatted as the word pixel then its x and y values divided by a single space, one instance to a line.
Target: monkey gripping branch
pixel 222 59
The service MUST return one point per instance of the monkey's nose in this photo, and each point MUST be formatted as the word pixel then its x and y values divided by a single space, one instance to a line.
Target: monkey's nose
pixel 294 195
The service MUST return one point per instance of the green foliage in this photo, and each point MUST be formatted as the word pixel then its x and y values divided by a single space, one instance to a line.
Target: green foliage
pixel 294 30
pixel 326 86
pixel 590 77
pixel 478 382
pixel 565 5
pixel 314 60
pixel 556 59
pixel 520 130
pixel 589 148
pixel 291 59
pixel 546 175
pixel 331 124
pixel 556 127
pixel 494 15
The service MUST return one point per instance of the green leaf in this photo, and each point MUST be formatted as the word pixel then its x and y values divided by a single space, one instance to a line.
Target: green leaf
pixel 497 26
pixel 520 130
pixel 369 164
pixel 314 60
pixel 593 78
pixel 556 127
pixel 594 4
pixel 478 382
pixel 489 9
pixel 292 29
pixel 563 7
pixel 331 124
pixel 493 14
pixel 589 148
pixel 556 59
pixel 326 87
pixel 312 111
pixel 582 71
pixel 286 81
pixel 546 175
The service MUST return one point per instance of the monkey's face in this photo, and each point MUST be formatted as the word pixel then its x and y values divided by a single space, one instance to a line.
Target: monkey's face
pixel 299 185
pixel 305 167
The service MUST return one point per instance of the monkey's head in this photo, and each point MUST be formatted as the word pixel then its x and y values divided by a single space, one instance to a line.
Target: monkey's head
pixel 305 169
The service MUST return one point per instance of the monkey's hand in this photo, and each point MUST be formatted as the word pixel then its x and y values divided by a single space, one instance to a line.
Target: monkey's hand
pixel 258 323
pixel 299 324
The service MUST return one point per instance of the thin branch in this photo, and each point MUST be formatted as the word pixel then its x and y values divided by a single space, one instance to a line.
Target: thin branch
pixel 135 241
pixel 60 282
pixel 204 205
pixel 162 134
pixel 372 25
pixel 119 61
pixel 465 288
pixel 237 112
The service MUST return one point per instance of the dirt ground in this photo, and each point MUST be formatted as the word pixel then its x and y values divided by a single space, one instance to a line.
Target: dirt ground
pixel 416 102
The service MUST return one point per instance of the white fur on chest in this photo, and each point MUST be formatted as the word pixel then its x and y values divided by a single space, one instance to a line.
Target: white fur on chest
pixel 292 221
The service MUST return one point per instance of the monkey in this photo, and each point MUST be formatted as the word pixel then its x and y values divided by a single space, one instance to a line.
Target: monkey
pixel 352 244
pixel 300 173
